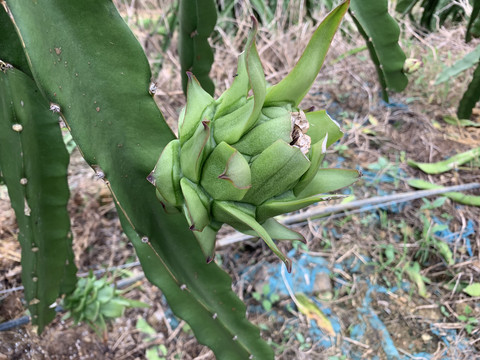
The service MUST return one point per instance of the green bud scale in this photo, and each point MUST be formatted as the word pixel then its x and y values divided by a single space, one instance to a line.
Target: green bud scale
pixel 252 153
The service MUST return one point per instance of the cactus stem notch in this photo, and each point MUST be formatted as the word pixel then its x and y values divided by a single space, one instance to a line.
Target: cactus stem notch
pixel 17 127
pixel 55 108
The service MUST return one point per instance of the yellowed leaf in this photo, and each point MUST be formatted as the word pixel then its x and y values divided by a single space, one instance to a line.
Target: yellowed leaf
pixel 308 308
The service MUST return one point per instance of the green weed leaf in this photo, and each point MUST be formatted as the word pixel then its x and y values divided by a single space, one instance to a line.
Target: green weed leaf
pixel 473 289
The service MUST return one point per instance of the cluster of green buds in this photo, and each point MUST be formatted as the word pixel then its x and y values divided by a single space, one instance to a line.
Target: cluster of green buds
pixel 253 153
pixel 95 301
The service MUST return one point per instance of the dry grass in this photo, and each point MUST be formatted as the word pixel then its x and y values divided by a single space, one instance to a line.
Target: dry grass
pixel 349 86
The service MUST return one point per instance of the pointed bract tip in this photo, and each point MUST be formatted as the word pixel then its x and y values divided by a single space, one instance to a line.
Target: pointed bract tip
pixel 189 75
pixel 254 21
pixel 164 207
pixel 206 123
pixel 209 259
pixel 303 240
pixel 151 179
pixel 288 264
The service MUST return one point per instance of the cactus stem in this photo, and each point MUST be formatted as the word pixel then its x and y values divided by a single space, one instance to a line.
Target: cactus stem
pixel 119 205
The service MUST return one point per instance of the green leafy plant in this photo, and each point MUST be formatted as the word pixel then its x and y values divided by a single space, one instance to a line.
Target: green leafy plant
pixel 96 301
pixel 466 317
pixel 428 241
pixel 266 298
pixel 472 289
pixel 412 269
pixel 94 76
pixel 470 321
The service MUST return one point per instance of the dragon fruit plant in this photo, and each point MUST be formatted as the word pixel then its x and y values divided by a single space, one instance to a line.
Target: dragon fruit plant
pixel 241 159
pixel 246 157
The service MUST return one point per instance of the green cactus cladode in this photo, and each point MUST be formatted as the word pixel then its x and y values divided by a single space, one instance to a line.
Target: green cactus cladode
pixel 241 160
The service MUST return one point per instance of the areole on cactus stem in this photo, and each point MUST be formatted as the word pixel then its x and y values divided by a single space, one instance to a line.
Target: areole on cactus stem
pixel 242 159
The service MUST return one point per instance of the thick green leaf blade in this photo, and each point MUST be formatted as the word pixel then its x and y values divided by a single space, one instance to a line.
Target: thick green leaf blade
pixel 459 197
pixel 11 50
pixel 383 32
pixel 196 205
pixel 327 180
pixel 265 134
pixel 166 175
pixel 453 120
pixel 461 65
pixel 324 131
pixel 256 76
pixel 296 84
pixel 226 174
pixel 446 165
pixel 470 97
pixel 289 203
pixel 229 213
pixel 278 231
pixel 471 21
pixel 121 132
pixel 239 89
pixel 197 21
pixel 322 124
pixel 197 100
pixel 374 58
pixel 472 289
pixel 274 170
pixel 404 6
pixel 34 164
